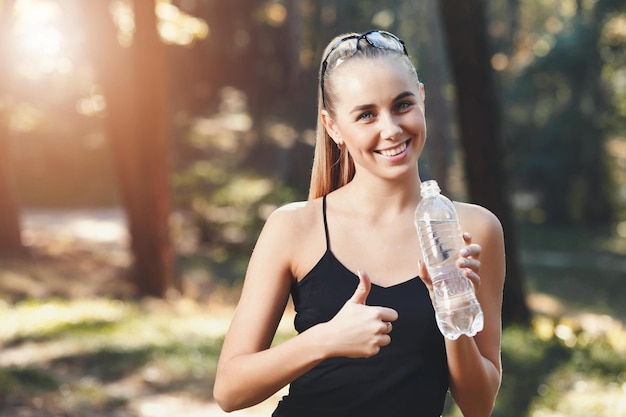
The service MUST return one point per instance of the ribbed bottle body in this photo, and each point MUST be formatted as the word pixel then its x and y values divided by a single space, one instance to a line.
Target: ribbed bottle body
pixel 457 310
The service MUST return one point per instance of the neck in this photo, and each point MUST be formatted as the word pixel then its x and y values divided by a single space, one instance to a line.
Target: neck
pixel 378 195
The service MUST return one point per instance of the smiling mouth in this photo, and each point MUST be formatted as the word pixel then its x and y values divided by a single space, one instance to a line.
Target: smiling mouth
pixel 394 151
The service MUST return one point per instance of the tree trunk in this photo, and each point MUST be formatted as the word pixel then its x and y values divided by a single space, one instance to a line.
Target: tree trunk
pixel 134 86
pixel 10 231
pixel 479 117
pixel 153 248
pixel 435 102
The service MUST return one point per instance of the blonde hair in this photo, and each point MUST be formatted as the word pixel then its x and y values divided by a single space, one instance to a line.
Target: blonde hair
pixel 333 166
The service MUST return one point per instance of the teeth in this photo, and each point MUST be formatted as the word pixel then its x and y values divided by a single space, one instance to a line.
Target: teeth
pixel 394 151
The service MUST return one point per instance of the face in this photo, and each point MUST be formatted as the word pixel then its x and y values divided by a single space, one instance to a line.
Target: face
pixel 379 116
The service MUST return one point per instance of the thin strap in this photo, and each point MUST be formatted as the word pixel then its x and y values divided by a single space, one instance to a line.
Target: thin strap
pixel 325 223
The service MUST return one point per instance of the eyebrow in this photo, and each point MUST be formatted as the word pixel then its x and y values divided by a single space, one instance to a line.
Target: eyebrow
pixel 363 107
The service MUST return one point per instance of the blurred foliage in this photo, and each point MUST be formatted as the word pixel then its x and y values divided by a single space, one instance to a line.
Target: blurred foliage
pixel 562 108
pixel 103 353
pixel 243 82
pixel 555 370
pixel 66 363
pixel 75 363
pixel 243 88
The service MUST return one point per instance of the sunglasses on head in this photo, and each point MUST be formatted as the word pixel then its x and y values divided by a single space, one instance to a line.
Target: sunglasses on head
pixel 374 38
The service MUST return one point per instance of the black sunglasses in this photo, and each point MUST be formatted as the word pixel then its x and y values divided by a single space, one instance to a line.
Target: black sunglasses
pixel 375 38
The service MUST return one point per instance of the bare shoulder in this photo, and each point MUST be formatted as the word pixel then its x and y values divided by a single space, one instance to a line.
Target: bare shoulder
pixel 479 221
pixel 293 236
pixel 294 217
pixel 291 224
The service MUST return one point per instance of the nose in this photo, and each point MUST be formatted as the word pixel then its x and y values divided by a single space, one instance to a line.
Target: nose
pixel 389 126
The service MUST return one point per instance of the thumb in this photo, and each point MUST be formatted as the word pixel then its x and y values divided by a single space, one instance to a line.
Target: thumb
pixel 363 289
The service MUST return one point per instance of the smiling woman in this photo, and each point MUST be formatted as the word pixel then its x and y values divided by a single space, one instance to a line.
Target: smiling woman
pixel 367 342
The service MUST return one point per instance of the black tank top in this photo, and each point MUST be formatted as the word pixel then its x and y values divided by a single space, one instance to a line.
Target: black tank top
pixel 409 377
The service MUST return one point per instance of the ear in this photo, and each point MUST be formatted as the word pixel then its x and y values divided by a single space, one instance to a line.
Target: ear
pixel 422 92
pixel 331 127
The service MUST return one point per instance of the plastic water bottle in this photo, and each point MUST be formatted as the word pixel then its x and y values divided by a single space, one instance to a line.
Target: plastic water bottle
pixel 457 310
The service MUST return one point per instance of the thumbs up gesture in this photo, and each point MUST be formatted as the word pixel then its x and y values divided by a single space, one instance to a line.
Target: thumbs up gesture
pixel 359 330
pixel 362 290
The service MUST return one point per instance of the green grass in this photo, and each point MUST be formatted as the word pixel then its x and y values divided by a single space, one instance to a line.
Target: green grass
pixel 74 350
pixel 552 377
pixel 93 356
pixel 582 268
pixel 572 362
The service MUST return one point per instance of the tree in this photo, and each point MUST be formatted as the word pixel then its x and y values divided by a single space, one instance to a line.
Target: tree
pixel 437 109
pixel 564 114
pixel 480 123
pixel 134 82
pixel 10 232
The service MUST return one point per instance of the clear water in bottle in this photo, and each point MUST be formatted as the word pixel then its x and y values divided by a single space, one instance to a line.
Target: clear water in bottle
pixel 457 310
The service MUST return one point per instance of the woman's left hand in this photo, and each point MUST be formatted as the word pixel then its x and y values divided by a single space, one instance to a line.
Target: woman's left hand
pixel 468 262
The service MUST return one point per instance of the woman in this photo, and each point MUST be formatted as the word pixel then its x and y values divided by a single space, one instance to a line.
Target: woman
pixel 367 342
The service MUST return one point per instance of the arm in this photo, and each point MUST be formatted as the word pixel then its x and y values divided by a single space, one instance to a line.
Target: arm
pixel 474 362
pixel 249 371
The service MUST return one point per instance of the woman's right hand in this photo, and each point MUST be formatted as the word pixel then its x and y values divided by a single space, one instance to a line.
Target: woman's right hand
pixel 359 330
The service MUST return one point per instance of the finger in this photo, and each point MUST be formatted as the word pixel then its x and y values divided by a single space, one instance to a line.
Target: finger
pixel 467 237
pixel 385 339
pixel 386 314
pixel 471 263
pixel 363 289
pixel 473 277
pixel 388 327
pixel 472 250
pixel 385 327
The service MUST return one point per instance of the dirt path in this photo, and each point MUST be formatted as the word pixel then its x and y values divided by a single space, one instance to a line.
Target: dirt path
pixel 101 231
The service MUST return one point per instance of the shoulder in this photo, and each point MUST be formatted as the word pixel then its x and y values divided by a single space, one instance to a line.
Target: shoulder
pixel 291 223
pixel 293 237
pixel 475 217
pixel 483 225
pixel 295 216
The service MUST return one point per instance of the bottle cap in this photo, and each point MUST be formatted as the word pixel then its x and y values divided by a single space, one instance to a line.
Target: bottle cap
pixel 429 188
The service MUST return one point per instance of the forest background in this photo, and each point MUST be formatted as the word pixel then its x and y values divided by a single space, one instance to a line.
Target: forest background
pixel 143 144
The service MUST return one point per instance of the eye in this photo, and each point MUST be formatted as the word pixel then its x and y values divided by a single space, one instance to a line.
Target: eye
pixel 365 116
pixel 403 105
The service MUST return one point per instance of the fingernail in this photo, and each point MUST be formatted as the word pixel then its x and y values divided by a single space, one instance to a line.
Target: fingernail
pixel 464 252
pixel 463 262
